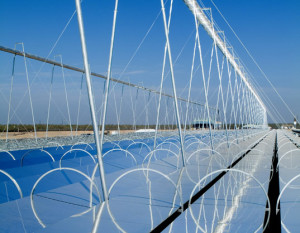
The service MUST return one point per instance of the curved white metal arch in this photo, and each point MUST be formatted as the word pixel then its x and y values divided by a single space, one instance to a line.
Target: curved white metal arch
pixel 81 143
pixel 290 151
pixel 47 152
pixel 71 150
pixel 142 143
pixel 131 171
pixel 47 173
pixel 14 181
pixel 125 151
pixel 10 154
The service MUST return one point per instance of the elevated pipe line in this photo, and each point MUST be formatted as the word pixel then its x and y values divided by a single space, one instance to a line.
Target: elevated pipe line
pixel 69 67
pixel 209 28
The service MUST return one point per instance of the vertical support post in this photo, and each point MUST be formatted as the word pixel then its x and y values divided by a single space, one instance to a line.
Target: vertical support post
pixel 97 220
pixel 49 103
pixel 66 94
pixel 108 74
pixel 173 82
pixel 162 80
pixel 235 109
pixel 91 100
pixel 190 86
pixel 220 75
pixel 29 92
pixel 204 82
pixel 10 95
pixel 239 108
pixel 79 102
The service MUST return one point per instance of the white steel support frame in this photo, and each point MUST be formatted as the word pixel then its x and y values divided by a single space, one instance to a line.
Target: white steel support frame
pixel 120 108
pixel 247 102
pixel 66 93
pixel 208 26
pixel 228 89
pixel 232 98
pixel 108 74
pixel 233 108
pixel 79 102
pixel 10 95
pixel 49 102
pixel 250 106
pixel 29 91
pixel 239 105
pixel 220 75
pixel 243 115
pixel 97 220
pixel 162 79
pixel 253 109
pixel 173 82
pixel 91 99
pixel 206 87
pixel 190 85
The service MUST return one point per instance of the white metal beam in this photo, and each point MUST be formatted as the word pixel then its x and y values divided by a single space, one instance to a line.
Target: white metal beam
pixel 209 28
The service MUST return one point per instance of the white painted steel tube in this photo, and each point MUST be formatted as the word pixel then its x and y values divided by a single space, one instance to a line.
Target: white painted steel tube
pixel 91 99
pixel 207 25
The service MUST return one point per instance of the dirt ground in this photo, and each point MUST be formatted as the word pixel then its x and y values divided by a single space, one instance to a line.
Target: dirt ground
pixel 42 134
pixel 19 135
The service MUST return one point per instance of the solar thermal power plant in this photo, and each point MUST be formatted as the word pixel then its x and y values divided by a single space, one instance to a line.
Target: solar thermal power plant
pixel 140 116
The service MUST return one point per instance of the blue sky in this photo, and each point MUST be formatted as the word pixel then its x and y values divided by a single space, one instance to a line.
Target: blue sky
pixel 269 29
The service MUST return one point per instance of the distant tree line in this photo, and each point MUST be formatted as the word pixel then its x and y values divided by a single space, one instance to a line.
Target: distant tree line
pixel 52 127
pixel 60 127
